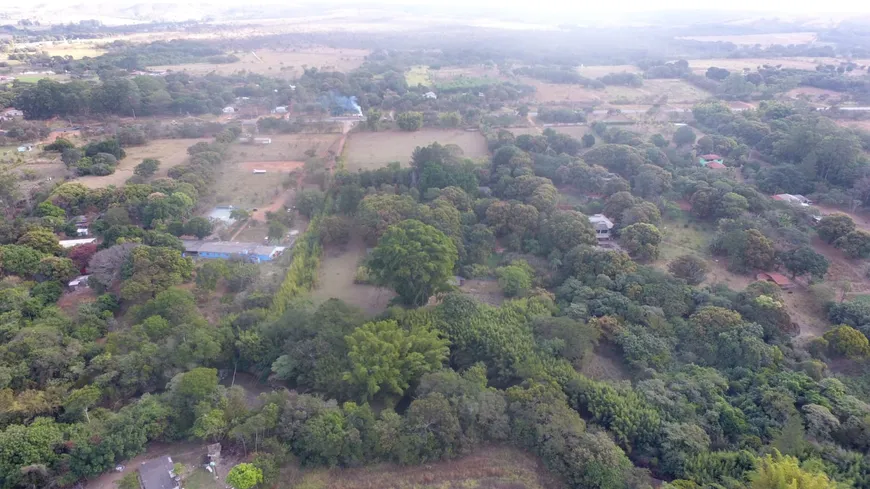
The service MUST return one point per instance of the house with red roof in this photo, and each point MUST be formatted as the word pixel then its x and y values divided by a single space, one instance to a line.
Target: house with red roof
pixel 706 160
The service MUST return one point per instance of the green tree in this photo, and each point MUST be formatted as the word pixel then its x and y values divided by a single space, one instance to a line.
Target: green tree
pixel 684 135
pixel 848 341
pixel 856 244
pixel 240 214
pixel 563 230
pixel 244 476
pixel 690 268
pixel 41 239
pixel 47 209
pixel 309 202
pixel 805 261
pixel 414 259
pixel 58 269
pixel 658 140
pixel 148 167
pixel 129 481
pixel 449 119
pixel 410 121
pixel 651 181
pixel 150 270
pixel 588 140
pixel 198 226
pixel 373 119
pixel 515 279
pixel 277 230
pixel 386 359
pixel 642 241
pixel 834 226
pixel 784 472
pixel 731 205
pixel 211 271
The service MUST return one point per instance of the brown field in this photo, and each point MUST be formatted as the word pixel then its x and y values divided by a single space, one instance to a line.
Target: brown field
pixel 236 185
pixel 285 147
pixel 287 63
pixel 598 71
pixel 369 150
pixel 813 94
pixel 274 166
pixel 651 92
pixel 487 468
pixel 784 38
pixel 802 63
pixel 170 152
pixel 336 280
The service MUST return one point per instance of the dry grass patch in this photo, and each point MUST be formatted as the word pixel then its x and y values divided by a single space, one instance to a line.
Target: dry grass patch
pixel 170 152
pixel 487 468
pixel 288 63
pixel 371 150
pixel 285 147
pixel 336 279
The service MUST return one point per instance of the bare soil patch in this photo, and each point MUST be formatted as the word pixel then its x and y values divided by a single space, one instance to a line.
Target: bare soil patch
pixel 486 291
pixel 496 467
pixel 170 152
pixel 370 150
pixel 336 279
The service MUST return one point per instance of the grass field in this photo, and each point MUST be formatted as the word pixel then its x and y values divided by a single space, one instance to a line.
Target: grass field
pixel 288 63
pixel 651 92
pixel 285 147
pixel 76 50
pixel 418 75
pixel 370 150
pixel 486 468
pixel 784 38
pixel 802 63
pixel 170 152
pixel 337 270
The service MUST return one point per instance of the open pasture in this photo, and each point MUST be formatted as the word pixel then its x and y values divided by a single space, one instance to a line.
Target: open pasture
pixel 288 63
pixel 371 150
pixel 700 66
pixel 336 279
pixel 170 153
pixel 652 91
pixel 285 147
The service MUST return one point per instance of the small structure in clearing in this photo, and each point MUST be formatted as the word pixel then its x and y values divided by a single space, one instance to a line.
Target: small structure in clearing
pixel 793 199
pixel 229 110
pixel 80 282
pixel 25 148
pixel 602 226
pixel 69 243
pixel 706 160
pixel 779 279
pixel 158 473
pixel 430 95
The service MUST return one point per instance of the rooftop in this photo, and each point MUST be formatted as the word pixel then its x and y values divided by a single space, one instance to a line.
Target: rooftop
pixel 777 278
pixel 715 165
pixel 69 243
pixel 157 474
pixel 601 219
pixel 231 248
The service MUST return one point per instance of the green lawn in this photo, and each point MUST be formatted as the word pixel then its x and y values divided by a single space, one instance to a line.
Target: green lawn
pixel 682 237
pixel 201 479
pixel 418 75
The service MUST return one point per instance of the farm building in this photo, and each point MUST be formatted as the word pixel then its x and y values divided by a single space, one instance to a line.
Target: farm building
pixel 262 140
pixel 706 160
pixel 253 252
pixel 430 95
pixel 793 199
pixel 158 473
pixel 24 148
pixel 229 110
pixel 281 109
pixel 602 225
pixel 69 243
pixel 80 282
pixel 779 279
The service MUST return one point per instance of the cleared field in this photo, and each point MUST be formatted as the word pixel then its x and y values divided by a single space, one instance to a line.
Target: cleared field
pixel 170 152
pixel 370 150
pixel 274 166
pixel 336 279
pixel 801 63
pixel 486 468
pixel 677 91
pixel 784 38
pixel 598 71
pixel 238 186
pixel 76 50
pixel 289 63
pixel 285 147
pixel 417 75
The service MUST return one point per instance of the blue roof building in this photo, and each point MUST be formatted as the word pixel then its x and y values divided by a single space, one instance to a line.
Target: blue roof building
pixel 252 252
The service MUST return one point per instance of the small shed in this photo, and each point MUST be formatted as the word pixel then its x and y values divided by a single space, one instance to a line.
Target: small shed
pixel 229 110
pixel 430 95
pixel 262 140
pixel 705 160
pixel 281 109
pixel 24 148
pixel 80 282
pixel 779 279
pixel 602 226
pixel 82 231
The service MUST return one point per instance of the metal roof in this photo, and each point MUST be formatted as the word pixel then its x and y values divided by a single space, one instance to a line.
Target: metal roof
pixel 157 474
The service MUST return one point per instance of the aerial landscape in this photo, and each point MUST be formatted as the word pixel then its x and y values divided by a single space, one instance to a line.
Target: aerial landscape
pixel 421 245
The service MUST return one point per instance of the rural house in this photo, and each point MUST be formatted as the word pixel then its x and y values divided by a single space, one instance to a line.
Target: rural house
pixel 708 159
pixel 158 473
pixel 24 148
pixel 779 279
pixel 252 252
pixel 430 95
pixel 229 110
pixel 281 109
pixel 602 225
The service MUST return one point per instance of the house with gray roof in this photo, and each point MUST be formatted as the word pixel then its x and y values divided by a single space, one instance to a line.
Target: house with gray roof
pixel 158 473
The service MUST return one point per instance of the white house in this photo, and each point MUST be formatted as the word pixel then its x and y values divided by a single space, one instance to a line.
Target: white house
pixel 430 95
pixel 69 243
pixel 82 231
pixel 229 110
pixel 262 140
pixel 281 109
pixel 602 225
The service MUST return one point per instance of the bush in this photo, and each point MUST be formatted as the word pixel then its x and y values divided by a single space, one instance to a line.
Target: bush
pixel 515 279
pixel 690 268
